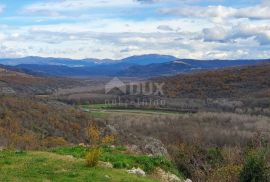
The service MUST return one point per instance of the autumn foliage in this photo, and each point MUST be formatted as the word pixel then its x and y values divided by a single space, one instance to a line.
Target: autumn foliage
pixel 97 141
pixel 29 123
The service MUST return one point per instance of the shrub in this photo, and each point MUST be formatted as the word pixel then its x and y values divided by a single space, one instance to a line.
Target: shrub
pixel 92 157
pixel 94 134
pixel 229 173
pixel 109 139
pixel 190 160
pixel 97 142
pixel 255 168
pixel 214 157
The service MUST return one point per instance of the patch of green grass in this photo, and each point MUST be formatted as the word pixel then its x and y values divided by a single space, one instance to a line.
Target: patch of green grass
pixel 96 106
pixel 78 152
pixel 46 166
pixel 120 159
pixel 96 114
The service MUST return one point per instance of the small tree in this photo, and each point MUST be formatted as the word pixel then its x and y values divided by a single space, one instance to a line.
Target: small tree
pixel 97 141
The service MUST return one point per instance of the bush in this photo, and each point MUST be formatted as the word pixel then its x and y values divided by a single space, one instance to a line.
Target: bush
pixel 228 173
pixel 255 168
pixel 214 157
pixel 190 160
pixel 92 157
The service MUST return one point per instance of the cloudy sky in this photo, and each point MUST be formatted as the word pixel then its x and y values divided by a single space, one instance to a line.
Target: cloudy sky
pixel 201 29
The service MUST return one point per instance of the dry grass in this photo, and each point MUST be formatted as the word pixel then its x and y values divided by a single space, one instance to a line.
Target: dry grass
pixel 209 128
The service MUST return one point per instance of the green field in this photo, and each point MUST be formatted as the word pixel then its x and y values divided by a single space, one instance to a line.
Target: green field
pixel 121 159
pixel 98 114
pixel 96 106
pixel 53 167
pixel 103 110
pixel 67 164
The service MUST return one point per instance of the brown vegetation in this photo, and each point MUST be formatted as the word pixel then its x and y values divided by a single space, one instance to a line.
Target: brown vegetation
pixel 233 82
pixel 212 129
pixel 22 83
pixel 31 123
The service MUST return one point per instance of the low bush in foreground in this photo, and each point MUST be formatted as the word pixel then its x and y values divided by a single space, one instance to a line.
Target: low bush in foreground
pixel 92 157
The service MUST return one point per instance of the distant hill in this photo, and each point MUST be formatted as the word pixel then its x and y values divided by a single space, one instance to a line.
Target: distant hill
pixel 170 68
pixel 184 66
pixel 226 83
pixel 81 68
pixel 151 65
pixel 18 81
pixel 148 59
pixel 52 61
pixel 89 62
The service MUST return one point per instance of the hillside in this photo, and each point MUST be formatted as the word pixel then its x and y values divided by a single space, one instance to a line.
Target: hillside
pixel 227 83
pixel 16 81
pixel 170 68
pixel 31 123
pixel 184 66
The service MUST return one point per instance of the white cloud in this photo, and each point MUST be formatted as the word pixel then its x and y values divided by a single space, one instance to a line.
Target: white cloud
pixel 218 34
pixel 260 33
pixel 165 28
pixel 201 32
pixel 55 7
pixel 114 38
pixel 256 12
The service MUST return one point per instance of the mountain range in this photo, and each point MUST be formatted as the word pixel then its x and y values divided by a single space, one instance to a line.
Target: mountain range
pixel 136 66
pixel 138 60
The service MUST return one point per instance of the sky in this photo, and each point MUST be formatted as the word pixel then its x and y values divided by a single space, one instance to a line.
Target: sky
pixel 78 29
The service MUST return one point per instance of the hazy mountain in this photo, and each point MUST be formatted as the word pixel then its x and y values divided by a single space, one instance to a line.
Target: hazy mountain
pixel 135 66
pixel 134 60
pixel 148 59
pixel 50 61
pixel 169 68
pixel 184 65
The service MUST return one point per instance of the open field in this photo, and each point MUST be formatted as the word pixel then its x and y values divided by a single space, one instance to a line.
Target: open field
pixel 47 166
pixel 104 109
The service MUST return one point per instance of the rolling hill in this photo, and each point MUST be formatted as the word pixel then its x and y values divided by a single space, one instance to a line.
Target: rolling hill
pixel 226 83
pixel 80 68
pixel 19 82
pixel 136 66
pixel 89 62
pixel 184 66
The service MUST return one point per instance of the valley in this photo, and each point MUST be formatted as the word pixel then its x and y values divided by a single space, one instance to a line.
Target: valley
pixel 212 111
pixel 134 91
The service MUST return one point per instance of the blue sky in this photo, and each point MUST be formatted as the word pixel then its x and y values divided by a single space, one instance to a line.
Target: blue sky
pixel 200 29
